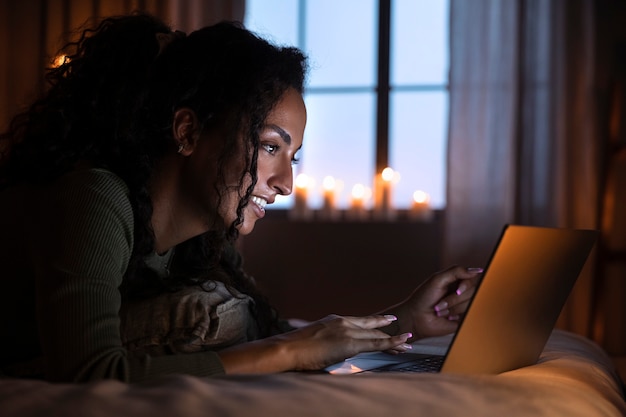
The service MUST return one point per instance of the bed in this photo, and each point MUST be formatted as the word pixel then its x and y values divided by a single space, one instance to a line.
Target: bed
pixel 573 377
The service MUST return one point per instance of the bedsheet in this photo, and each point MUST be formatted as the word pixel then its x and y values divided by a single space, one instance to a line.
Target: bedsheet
pixel 574 377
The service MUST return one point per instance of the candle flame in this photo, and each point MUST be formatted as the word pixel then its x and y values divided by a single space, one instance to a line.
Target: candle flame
pixel 358 191
pixel 421 197
pixel 387 174
pixel 302 181
pixel 328 183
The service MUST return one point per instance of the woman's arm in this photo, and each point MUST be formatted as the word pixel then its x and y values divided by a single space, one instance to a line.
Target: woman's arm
pixel 312 347
pixel 81 249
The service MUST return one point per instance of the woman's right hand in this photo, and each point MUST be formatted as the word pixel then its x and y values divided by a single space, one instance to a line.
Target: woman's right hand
pixel 314 346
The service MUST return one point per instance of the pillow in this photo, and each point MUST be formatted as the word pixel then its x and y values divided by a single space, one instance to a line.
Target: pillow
pixel 197 318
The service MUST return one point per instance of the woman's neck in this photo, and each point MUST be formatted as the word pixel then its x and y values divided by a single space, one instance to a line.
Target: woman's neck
pixel 173 220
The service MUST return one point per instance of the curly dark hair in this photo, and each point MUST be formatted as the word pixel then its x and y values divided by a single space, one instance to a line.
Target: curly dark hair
pixel 111 103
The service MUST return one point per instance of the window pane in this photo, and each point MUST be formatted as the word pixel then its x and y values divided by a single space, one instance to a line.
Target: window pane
pixel 339 141
pixel 419 42
pixel 418 145
pixel 342 50
pixel 274 20
pixel 341 42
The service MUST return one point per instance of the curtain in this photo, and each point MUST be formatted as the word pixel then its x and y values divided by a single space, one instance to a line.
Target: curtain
pixel 189 15
pixel 32 31
pixel 523 144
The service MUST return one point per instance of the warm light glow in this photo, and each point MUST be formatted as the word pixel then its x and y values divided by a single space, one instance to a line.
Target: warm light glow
pixel 300 209
pixel 360 195
pixel 329 183
pixel 358 191
pixel 303 181
pixel 388 174
pixel 421 197
pixel 420 209
pixel 60 60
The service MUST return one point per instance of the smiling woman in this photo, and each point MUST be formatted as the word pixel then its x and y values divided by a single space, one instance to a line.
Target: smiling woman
pixel 122 192
pixel 280 141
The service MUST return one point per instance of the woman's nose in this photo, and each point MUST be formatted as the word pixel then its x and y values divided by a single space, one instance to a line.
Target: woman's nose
pixel 282 180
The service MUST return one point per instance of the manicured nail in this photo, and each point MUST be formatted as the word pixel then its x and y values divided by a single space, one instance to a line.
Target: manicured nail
pixel 461 289
pixel 441 306
pixel 408 335
pixel 475 270
pixel 453 318
pixel 406 346
pixel 390 317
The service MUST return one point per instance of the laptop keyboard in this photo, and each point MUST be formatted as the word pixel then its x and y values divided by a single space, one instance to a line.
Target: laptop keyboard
pixel 426 364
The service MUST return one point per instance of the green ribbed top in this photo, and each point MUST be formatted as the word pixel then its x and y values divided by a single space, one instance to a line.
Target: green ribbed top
pixel 64 249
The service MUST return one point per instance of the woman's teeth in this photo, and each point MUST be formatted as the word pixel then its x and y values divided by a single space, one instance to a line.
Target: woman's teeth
pixel 261 202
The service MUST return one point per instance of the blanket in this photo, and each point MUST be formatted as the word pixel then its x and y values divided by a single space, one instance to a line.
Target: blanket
pixel 573 377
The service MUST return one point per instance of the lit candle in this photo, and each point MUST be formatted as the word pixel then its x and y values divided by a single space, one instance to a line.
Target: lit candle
pixel 301 210
pixel 420 208
pixel 329 189
pixel 359 196
pixel 329 192
pixel 387 177
pixel 384 193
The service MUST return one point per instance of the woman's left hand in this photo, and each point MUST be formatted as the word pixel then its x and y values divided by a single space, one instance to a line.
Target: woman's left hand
pixel 435 307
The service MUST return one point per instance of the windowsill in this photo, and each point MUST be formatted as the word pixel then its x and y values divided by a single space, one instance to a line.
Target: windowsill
pixel 345 216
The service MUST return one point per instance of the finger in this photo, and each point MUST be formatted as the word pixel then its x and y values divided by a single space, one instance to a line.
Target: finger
pixel 395 343
pixel 468 285
pixel 359 333
pixel 463 292
pixel 402 348
pixel 459 309
pixel 455 301
pixel 441 309
pixel 450 276
pixel 371 322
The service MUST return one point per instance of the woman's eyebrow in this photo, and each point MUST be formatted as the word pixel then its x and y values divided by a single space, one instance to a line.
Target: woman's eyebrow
pixel 284 135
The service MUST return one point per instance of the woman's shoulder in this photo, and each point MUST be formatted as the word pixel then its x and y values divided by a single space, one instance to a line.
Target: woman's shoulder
pixel 96 179
pixel 91 194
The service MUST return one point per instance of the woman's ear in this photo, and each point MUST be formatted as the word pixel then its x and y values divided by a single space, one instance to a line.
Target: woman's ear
pixel 185 131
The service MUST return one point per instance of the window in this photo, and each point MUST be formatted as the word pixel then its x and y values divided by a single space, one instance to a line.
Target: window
pixel 351 132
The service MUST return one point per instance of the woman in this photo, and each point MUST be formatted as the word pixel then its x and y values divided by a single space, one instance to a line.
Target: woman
pixel 128 183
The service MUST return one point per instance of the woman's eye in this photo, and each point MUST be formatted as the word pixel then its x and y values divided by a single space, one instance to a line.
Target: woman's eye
pixel 272 149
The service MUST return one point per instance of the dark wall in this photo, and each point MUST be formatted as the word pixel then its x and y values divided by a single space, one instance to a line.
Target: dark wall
pixel 311 269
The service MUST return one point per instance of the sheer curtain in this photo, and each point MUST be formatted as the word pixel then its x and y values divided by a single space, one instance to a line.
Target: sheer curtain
pixel 523 146
pixel 189 15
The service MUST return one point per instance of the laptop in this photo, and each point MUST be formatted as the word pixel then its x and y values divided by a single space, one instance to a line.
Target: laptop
pixel 514 309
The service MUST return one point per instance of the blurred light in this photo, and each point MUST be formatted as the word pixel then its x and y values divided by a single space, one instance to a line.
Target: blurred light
pixel 60 60
pixel 387 174
pixel 329 183
pixel 420 196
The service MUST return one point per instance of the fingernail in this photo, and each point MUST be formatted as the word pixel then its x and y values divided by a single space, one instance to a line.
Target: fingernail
pixel 406 346
pixel 475 270
pixel 453 318
pixel 408 335
pixel 390 317
pixel 461 289
pixel 441 306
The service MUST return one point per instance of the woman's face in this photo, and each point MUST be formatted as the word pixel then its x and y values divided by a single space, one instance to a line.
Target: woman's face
pixel 280 140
